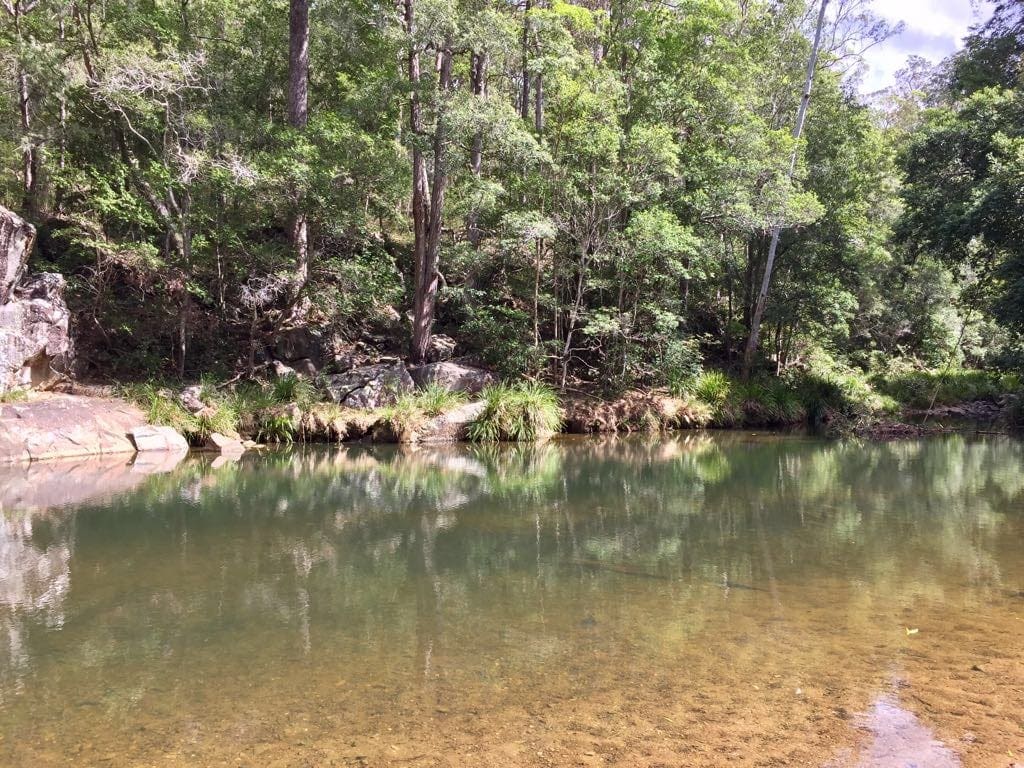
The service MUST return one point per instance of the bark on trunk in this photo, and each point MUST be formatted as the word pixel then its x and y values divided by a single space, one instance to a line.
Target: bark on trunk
pixel 298 117
pixel 524 96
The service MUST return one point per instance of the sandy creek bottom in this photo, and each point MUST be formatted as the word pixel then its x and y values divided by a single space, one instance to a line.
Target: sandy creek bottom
pixel 707 600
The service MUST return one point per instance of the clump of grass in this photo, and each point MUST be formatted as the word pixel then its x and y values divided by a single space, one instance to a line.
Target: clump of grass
pixel 713 388
pixel 434 399
pixel 13 396
pixel 162 408
pixel 409 412
pixel 267 412
pixel 522 412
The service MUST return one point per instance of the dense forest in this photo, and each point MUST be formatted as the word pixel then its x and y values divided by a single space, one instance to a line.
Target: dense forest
pixel 588 193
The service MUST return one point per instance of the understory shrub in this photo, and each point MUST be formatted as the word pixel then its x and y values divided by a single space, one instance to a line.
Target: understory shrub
pixel 519 412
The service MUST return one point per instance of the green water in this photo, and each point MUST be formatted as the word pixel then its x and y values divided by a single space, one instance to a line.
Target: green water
pixel 729 599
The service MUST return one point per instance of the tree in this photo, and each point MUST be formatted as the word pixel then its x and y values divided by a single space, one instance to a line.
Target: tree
pixel 298 117
pixel 762 297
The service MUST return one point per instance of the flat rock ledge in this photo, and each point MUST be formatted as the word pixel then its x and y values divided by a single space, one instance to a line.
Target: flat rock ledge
pixel 61 426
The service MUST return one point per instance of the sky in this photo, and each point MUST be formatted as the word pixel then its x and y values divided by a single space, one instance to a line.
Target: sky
pixel 934 29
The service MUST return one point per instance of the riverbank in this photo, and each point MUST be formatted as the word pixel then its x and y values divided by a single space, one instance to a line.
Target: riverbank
pixel 450 402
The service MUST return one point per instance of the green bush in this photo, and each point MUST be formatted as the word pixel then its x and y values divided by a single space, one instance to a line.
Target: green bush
pixel 917 388
pixel 520 412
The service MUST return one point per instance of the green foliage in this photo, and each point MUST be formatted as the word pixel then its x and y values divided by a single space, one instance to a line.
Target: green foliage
pixel 521 412
pixel 412 409
pixel 607 234
pixel 918 388
pixel 13 396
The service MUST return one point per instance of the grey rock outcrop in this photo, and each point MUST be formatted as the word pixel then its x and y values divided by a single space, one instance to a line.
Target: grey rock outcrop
pixel 151 438
pixel 60 426
pixel 452 426
pixel 16 239
pixel 370 386
pixel 35 343
pixel 454 377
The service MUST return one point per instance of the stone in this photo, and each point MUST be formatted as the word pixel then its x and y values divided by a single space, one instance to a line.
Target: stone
pixel 440 348
pixel 304 368
pixel 370 386
pixel 55 426
pixel 454 377
pixel 192 400
pixel 452 426
pixel 35 343
pixel 153 438
pixel 298 343
pixel 224 444
pixel 281 370
pixel 16 239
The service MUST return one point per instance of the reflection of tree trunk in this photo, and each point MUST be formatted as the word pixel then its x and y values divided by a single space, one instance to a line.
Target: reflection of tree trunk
pixel 428 599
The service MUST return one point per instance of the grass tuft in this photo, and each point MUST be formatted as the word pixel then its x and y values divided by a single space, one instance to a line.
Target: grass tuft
pixel 522 412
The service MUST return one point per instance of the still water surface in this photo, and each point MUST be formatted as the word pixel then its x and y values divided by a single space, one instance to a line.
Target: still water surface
pixel 704 600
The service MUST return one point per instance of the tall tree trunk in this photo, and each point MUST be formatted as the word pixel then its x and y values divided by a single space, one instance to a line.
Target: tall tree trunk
pixel 298 116
pixel 762 297
pixel 29 155
pixel 478 84
pixel 524 96
pixel 427 193
pixel 538 105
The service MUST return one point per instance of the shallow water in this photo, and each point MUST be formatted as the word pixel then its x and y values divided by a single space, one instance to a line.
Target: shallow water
pixel 705 600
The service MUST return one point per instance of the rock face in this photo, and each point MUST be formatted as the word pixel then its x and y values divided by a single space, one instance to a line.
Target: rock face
pixel 453 376
pixel 370 386
pixel 16 239
pixel 66 426
pixel 34 338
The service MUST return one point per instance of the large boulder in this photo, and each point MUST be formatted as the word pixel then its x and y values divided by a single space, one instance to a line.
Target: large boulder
pixel 298 343
pixel 454 377
pixel 154 438
pixel 440 348
pixel 66 425
pixel 452 426
pixel 34 339
pixel 370 386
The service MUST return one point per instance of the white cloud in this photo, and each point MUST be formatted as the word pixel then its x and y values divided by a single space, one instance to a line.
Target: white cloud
pixel 933 29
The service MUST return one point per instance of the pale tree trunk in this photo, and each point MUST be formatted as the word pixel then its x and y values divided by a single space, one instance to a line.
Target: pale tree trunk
pixel 426 273
pixel 298 116
pixel 478 84
pixel 427 193
pixel 29 154
pixel 524 96
pixel 762 297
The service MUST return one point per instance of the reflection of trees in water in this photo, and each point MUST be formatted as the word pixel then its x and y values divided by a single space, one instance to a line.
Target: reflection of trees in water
pixel 35 557
pixel 373 544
